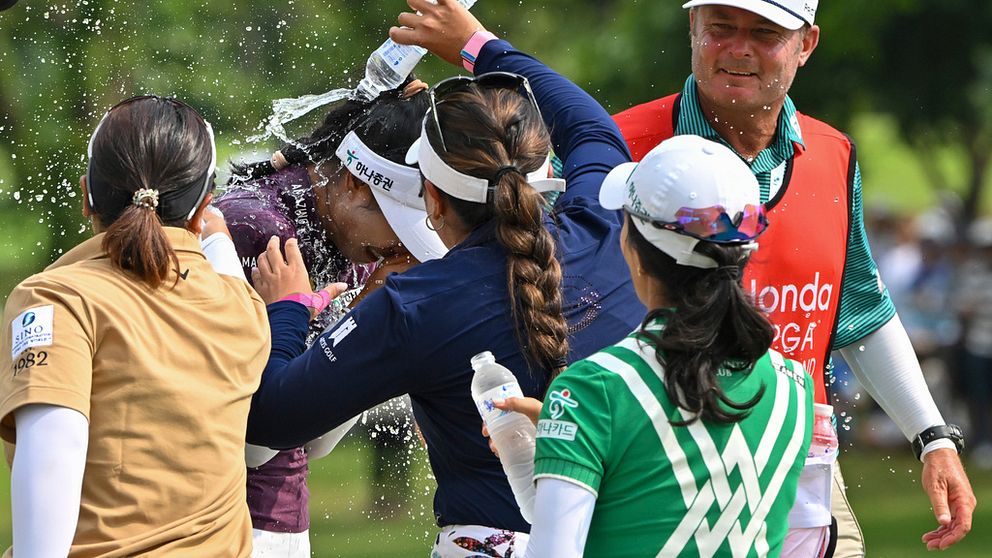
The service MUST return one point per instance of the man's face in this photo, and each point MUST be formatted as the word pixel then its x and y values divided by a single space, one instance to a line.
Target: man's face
pixel 743 61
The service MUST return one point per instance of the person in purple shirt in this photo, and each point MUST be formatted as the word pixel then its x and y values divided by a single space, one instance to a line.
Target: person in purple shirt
pixel 345 194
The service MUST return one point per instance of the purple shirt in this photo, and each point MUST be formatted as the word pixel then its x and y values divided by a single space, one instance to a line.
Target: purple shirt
pixel 282 204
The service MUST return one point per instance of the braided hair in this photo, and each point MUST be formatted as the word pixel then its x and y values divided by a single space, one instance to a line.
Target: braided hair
pixel 496 134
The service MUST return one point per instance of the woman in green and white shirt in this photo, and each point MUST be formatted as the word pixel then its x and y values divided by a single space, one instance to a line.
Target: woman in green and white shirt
pixel 687 438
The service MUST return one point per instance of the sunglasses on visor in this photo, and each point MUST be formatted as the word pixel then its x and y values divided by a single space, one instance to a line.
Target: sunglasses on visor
pixel 713 224
pixel 490 80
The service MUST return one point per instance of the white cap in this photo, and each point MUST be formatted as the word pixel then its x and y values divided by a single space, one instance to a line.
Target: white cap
pixel 791 14
pixel 682 172
pixel 396 189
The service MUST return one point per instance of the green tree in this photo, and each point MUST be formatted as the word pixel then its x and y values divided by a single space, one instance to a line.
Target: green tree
pixel 929 65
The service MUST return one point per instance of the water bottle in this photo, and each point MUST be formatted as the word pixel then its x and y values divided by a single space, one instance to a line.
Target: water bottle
pixel 389 65
pixel 824 447
pixel 512 433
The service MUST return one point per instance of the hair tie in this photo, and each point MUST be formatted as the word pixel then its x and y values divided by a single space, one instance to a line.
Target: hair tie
pixel 732 272
pixel 501 171
pixel 146 198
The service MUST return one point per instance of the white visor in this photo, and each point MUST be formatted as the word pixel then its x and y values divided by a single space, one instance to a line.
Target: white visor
pixel 397 190
pixel 463 186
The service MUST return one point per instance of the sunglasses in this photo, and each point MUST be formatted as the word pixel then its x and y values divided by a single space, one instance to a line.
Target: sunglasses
pixel 177 104
pixel 490 80
pixel 713 224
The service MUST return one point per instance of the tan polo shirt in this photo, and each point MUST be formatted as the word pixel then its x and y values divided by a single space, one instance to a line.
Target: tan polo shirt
pixel 165 377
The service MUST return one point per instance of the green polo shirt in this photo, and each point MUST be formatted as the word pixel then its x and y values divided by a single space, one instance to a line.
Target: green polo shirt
pixel 710 489
pixel 864 307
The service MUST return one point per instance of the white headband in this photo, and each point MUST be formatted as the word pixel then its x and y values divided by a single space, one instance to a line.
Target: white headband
pixel 400 182
pixel 463 186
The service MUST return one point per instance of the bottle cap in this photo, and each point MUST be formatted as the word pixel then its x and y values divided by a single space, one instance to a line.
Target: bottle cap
pixel 482 359
pixel 822 410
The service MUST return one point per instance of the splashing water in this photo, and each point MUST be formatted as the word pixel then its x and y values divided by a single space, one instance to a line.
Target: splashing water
pixel 285 111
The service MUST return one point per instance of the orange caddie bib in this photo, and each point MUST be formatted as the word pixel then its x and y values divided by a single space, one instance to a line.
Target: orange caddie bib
pixel 796 274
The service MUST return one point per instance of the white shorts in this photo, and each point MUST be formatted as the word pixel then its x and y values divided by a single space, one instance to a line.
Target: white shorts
pixel 464 541
pixel 266 544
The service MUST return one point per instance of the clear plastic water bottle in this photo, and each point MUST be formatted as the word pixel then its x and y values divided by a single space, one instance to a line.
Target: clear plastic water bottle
pixel 513 434
pixel 825 445
pixel 389 65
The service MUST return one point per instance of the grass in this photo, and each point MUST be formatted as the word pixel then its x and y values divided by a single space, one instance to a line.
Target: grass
pixel 884 489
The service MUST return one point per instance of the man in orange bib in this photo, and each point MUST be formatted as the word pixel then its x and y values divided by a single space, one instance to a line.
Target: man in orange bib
pixel 814 274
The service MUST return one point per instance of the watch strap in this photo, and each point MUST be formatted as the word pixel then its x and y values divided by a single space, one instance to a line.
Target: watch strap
pixel 950 432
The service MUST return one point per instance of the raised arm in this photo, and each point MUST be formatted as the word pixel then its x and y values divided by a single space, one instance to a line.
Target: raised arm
pixel 582 132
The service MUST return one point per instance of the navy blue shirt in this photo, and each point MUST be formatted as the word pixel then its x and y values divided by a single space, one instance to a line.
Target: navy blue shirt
pixel 418 332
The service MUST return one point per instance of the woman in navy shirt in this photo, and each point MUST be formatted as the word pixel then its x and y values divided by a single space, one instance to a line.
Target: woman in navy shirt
pixel 500 288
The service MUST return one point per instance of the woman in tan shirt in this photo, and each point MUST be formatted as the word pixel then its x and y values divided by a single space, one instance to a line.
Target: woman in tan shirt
pixel 132 362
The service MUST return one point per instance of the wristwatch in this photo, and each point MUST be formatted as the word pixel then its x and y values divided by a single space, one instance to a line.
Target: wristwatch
pixel 950 431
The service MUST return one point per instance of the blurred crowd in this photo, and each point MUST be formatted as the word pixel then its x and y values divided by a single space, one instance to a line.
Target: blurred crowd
pixel 939 274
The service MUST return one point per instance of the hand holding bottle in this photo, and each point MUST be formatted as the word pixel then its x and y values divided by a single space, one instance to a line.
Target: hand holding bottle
pixel 513 434
pixel 527 406
pixel 442 28
pixel 393 61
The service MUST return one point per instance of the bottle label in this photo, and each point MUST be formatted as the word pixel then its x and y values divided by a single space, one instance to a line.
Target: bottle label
pixel 824 445
pixel 399 57
pixel 492 416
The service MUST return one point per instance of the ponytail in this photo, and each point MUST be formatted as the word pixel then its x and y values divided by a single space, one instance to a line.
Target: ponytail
pixel 151 165
pixel 711 325
pixel 497 134
pixel 136 242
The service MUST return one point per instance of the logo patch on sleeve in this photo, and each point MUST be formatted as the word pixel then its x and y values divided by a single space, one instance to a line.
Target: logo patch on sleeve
pixel 558 400
pixel 32 328
pixel 343 330
pixel 557 429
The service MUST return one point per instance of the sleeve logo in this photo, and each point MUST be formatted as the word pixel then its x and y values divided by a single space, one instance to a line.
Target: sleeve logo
pixel 557 402
pixel 557 429
pixel 343 330
pixel 32 328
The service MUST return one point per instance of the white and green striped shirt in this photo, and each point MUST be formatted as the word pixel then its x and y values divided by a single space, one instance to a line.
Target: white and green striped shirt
pixel 706 489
